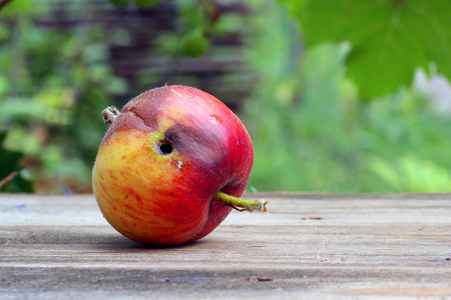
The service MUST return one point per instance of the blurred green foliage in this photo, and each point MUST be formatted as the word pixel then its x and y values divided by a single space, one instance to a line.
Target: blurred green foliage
pixel 315 110
pixel 312 131
pixel 197 25
pixel 10 168
pixel 143 4
pixel 53 84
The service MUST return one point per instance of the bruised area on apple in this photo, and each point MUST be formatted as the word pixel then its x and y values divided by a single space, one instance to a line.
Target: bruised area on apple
pixel 163 159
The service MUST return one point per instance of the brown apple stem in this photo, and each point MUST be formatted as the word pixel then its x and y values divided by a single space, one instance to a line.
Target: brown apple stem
pixel 241 204
pixel 110 114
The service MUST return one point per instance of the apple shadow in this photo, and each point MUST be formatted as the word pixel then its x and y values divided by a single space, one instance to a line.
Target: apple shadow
pixel 159 247
pixel 116 242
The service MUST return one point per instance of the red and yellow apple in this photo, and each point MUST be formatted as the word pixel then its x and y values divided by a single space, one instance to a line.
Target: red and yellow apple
pixel 172 166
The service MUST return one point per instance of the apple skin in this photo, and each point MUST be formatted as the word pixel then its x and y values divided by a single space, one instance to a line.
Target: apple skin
pixel 155 197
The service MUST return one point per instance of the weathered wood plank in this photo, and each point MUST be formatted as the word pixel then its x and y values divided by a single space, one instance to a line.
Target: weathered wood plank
pixel 371 245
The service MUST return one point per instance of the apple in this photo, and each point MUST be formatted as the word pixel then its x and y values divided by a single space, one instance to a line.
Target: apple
pixel 172 166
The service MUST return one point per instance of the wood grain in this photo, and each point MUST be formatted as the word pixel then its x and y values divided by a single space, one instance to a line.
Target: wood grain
pixel 307 245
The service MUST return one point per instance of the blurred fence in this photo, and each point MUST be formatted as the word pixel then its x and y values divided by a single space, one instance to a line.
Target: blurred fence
pixel 132 35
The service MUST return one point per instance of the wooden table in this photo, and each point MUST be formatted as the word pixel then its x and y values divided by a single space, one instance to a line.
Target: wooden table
pixel 307 245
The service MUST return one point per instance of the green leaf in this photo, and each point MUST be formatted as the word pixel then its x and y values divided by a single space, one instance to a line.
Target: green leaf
pixel 17 7
pixel 195 44
pixel 389 38
pixel 120 3
pixel 9 163
pixel 4 86
pixel 147 4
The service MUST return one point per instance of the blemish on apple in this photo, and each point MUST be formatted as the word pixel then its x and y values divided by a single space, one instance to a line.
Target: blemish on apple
pixel 176 93
pixel 179 164
pixel 215 120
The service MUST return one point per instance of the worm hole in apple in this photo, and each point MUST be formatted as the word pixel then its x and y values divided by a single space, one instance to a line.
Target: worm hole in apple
pixel 165 147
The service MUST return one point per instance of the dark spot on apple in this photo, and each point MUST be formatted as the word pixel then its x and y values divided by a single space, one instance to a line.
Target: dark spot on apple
pixel 165 147
pixel 199 144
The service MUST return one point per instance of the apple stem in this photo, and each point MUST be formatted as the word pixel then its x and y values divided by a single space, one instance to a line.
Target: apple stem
pixel 110 114
pixel 241 204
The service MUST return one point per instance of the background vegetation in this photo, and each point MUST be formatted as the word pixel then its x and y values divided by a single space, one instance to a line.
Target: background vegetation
pixel 341 98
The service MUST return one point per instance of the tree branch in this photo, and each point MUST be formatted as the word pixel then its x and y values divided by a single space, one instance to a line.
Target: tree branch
pixel 7 179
